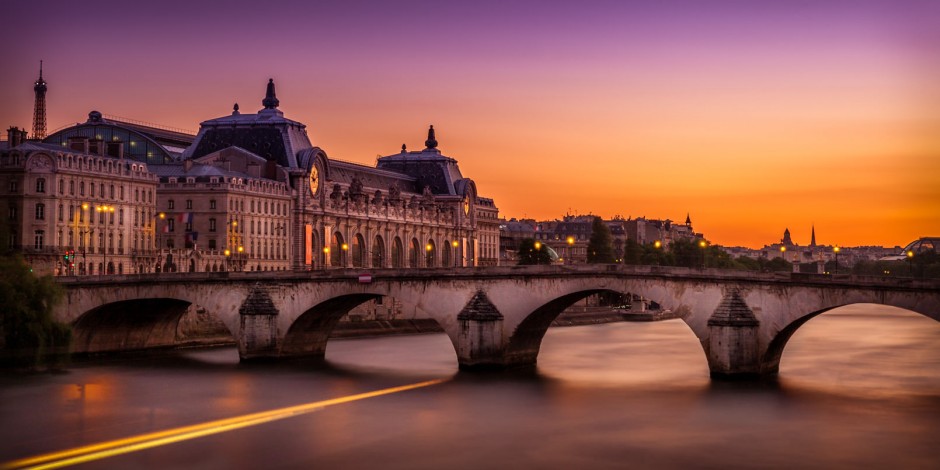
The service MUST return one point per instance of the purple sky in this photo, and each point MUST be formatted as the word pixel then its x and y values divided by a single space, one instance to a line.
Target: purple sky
pixel 739 112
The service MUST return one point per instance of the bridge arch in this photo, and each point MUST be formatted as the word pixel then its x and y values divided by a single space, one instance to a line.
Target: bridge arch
pixel 770 360
pixel 308 333
pixel 129 325
pixel 525 341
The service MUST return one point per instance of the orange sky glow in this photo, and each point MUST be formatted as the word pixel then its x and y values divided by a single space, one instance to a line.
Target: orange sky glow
pixel 750 118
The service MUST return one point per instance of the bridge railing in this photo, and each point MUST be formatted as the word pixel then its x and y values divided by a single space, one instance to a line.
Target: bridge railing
pixel 380 274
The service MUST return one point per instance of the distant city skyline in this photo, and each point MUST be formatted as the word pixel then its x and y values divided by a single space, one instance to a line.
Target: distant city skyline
pixel 753 118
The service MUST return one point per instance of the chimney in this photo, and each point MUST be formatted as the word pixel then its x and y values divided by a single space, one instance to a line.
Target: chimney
pixel 96 146
pixel 270 170
pixel 16 136
pixel 78 144
pixel 187 165
pixel 254 170
pixel 115 149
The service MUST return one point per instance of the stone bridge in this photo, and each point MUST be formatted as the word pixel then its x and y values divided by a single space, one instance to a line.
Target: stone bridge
pixel 495 317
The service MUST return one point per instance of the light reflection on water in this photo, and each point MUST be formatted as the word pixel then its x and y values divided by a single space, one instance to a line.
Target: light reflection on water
pixel 859 387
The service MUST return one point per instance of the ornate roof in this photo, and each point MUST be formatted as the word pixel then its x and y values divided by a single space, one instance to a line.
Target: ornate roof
pixel 428 167
pixel 267 134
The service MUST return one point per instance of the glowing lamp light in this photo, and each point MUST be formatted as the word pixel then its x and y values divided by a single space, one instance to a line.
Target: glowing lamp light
pixel 345 247
pixel 538 245
pixel 428 247
pixel 162 215
pixel 658 244
pixel 570 240
pixel 702 243
pixel 910 253
pixel 227 252
pixel 454 244
pixel 241 249
pixel 326 249
pixel 836 249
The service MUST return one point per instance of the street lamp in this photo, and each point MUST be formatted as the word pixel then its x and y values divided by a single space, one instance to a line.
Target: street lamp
pixel 836 250
pixel 162 216
pixel 455 244
pixel 108 212
pixel 427 259
pixel 702 244
pixel 910 262
pixel 570 241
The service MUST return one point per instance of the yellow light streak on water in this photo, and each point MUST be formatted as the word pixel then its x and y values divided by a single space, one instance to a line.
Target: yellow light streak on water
pixel 146 441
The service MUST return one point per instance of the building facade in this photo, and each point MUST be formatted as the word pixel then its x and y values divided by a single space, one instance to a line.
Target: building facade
pixel 249 192
pixel 78 212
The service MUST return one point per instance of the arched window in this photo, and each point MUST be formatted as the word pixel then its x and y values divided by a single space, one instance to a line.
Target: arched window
pixel 338 249
pixel 447 252
pixel 430 254
pixel 378 252
pixel 413 249
pixel 397 254
pixel 358 251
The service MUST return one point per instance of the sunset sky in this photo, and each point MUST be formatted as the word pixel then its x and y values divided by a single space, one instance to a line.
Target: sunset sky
pixel 751 116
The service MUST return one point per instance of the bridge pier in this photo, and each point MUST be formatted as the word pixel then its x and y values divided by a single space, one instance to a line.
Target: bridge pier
pixel 733 347
pixel 257 333
pixel 480 344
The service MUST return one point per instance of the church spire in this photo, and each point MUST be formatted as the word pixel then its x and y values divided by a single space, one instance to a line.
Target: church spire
pixel 431 143
pixel 270 98
pixel 812 241
pixel 39 108
pixel 688 219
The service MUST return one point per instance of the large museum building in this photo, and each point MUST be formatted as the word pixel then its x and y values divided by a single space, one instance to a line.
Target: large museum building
pixel 248 192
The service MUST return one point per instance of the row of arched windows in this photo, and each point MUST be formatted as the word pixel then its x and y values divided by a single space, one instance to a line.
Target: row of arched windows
pixel 414 254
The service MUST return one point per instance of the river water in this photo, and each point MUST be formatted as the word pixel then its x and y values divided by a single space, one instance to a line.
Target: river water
pixel 859 387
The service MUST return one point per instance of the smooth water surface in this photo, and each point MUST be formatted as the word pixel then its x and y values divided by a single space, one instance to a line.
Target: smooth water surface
pixel 859 387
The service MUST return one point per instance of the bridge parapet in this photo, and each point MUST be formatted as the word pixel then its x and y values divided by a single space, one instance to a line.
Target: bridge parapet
pixel 309 303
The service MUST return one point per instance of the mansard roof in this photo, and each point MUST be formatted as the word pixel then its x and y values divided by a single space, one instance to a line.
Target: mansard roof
pixel 428 167
pixel 344 172
pixel 266 133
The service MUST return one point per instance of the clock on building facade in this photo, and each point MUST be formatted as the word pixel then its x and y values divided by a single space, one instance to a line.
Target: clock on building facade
pixel 314 180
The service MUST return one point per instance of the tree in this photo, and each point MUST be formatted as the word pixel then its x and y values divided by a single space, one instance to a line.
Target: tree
pixel 532 252
pixel 30 336
pixel 600 248
pixel 633 252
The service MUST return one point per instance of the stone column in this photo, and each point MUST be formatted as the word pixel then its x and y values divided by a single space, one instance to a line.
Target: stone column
pixel 733 349
pixel 480 344
pixel 257 332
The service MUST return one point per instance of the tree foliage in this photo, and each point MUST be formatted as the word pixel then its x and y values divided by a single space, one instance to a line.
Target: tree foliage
pixel 600 248
pixel 529 254
pixel 31 338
